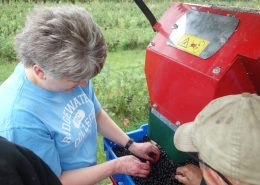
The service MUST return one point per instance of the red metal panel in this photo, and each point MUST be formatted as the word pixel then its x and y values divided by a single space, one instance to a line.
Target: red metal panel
pixel 179 92
pixel 235 81
pixel 181 84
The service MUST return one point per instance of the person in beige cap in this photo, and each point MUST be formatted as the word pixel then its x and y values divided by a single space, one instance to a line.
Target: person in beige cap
pixel 225 134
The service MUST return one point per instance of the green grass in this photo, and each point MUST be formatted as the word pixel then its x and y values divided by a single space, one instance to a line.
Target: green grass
pixel 123 24
pixel 5 70
pixel 121 88
pixel 102 158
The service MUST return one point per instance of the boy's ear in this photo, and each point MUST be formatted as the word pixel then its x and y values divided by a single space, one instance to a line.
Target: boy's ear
pixel 39 72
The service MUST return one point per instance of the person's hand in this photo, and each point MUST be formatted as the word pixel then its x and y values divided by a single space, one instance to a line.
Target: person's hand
pixel 146 151
pixel 189 175
pixel 131 165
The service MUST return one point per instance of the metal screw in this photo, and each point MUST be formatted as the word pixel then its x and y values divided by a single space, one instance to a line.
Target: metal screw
pixel 169 43
pixel 155 106
pixel 175 26
pixel 223 39
pixel 216 70
pixel 152 44
pixel 178 123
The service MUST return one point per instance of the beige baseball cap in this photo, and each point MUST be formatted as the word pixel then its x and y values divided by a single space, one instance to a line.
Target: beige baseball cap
pixel 226 134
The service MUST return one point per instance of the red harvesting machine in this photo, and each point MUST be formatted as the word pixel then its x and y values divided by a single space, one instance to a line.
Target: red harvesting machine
pixel 198 54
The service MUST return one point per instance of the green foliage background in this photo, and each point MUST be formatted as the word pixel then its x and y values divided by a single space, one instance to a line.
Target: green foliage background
pixel 123 24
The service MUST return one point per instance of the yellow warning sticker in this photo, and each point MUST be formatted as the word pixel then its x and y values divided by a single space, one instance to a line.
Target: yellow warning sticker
pixel 192 44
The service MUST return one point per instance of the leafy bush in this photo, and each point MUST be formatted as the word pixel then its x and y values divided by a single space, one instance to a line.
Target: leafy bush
pixel 125 98
pixel 11 20
pixel 123 24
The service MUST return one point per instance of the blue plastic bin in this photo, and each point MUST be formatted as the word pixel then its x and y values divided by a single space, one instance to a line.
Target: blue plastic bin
pixel 138 136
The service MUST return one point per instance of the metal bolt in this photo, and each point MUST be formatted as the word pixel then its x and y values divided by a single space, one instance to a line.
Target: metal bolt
pixel 152 44
pixel 178 123
pixel 155 106
pixel 223 39
pixel 168 44
pixel 216 70
pixel 175 26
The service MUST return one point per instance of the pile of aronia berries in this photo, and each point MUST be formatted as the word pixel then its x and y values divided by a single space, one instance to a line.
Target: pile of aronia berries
pixel 161 173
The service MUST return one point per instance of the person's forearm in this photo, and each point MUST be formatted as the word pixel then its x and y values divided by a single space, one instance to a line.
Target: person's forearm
pixel 109 129
pixel 89 175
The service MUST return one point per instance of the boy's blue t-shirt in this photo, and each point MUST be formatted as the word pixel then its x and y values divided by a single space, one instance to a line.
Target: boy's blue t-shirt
pixel 59 127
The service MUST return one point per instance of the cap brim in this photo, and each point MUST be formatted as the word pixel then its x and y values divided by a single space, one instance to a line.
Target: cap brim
pixel 182 138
